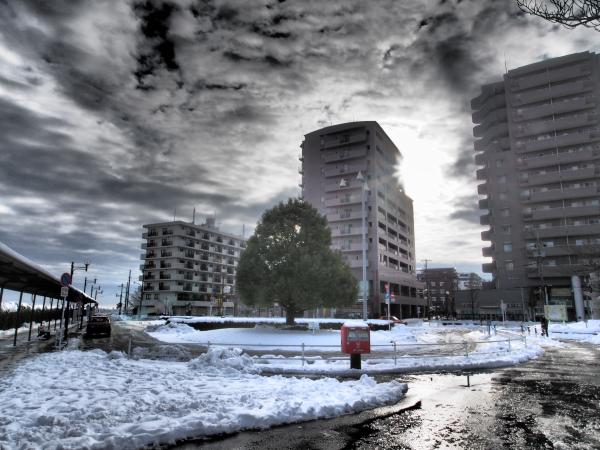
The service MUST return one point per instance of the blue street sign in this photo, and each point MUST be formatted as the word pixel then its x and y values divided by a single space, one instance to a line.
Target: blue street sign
pixel 65 279
pixel 387 295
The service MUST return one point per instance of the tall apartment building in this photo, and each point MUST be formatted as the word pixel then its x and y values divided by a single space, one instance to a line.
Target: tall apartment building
pixel 538 142
pixel 189 269
pixel 331 159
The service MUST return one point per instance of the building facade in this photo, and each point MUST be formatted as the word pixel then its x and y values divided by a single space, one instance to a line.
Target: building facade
pixel 332 158
pixel 538 145
pixel 469 280
pixel 189 269
pixel 441 285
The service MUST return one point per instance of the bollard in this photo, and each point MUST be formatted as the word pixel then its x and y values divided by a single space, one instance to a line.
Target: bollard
pixel 394 352
pixel 468 380
pixel 466 349
pixel 355 362
pixel 509 349
pixel 129 346
pixel 303 354
pixel 207 346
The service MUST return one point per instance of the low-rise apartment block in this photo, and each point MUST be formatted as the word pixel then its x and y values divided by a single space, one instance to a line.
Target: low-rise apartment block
pixel 189 269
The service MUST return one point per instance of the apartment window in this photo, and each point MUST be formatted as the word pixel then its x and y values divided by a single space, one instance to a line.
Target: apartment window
pixel 509 265
pixel 502 179
pixel 507 247
pixel 502 196
pixel 499 162
pixel 505 212
pixel 506 229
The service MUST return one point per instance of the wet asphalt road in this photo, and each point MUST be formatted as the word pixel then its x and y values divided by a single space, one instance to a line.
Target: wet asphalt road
pixel 549 403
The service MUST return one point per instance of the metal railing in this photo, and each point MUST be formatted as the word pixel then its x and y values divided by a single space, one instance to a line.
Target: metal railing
pixel 394 350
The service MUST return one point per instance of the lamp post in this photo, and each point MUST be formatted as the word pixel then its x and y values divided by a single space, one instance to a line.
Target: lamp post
pixel 360 177
pixel 73 269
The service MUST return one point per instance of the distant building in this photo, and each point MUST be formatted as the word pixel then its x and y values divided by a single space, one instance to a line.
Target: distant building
pixel 469 281
pixel 189 269
pixel 441 285
pixel 331 159
pixel 538 146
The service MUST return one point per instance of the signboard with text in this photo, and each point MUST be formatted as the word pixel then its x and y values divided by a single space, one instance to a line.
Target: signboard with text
pixel 556 313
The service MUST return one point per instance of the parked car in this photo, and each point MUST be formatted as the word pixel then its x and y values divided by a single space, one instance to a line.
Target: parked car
pixel 98 325
pixel 393 319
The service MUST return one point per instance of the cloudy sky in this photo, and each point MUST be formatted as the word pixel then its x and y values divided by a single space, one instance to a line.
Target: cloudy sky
pixel 117 113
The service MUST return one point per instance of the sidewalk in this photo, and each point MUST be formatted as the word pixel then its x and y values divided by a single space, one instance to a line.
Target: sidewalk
pixel 10 355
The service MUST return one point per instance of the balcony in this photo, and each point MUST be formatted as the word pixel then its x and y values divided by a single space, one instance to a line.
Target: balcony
pixel 546 126
pixel 480 159
pixel 345 247
pixel 488 251
pixel 580 230
pixel 546 92
pixel 488 267
pixel 343 139
pixel 564 175
pixel 485 219
pixel 562 194
pixel 559 141
pixel 345 169
pixel 350 184
pixel 167 242
pixel 353 231
pixel 559 213
pixel 484 203
pixel 557 158
pixel 555 108
pixel 355 263
pixel 482 189
pixel 486 235
pixel 337 217
pixel 152 233
pixel 341 155
pixel 549 76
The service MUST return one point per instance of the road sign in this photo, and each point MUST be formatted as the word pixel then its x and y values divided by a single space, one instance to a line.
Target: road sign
pixel 65 279
pixel 64 291
pixel 387 287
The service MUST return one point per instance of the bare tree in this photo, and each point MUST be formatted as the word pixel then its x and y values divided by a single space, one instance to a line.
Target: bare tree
pixel 569 13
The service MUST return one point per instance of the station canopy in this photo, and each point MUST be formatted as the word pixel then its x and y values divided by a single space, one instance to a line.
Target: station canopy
pixel 20 274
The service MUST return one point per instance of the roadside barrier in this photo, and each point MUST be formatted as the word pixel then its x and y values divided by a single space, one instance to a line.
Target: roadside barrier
pixel 392 351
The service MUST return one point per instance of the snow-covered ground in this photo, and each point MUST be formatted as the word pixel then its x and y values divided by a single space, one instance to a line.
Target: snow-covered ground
pixel 578 331
pixel 76 400
pixel 418 347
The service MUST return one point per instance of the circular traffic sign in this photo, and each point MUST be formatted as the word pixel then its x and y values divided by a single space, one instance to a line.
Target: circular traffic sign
pixel 65 279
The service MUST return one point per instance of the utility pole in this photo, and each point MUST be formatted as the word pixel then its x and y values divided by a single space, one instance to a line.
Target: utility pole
pixel 127 291
pixel 427 291
pixel 121 298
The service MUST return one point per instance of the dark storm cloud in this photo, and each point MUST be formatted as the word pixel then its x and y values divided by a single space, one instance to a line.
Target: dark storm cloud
pixel 464 166
pixel 466 208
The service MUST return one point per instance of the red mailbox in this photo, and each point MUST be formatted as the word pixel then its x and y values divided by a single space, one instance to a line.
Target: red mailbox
pixel 356 338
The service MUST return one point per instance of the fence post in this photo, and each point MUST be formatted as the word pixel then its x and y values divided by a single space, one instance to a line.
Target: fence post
pixel 525 341
pixel 129 345
pixel 509 349
pixel 207 346
pixel 303 354
pixel 394 352
pixel 466 349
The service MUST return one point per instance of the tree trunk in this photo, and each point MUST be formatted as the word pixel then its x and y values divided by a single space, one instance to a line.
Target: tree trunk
pixel 289 315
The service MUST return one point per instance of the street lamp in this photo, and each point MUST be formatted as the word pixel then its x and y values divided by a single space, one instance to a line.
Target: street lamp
pixel 360 177
pixel 73 269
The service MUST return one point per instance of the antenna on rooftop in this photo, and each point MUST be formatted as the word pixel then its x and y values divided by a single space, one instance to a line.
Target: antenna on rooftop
pixel 174 213
pixel 194 216
pixel 505 66
pixel 243 231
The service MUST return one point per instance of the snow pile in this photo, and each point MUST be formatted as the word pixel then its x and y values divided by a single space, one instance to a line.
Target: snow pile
pixel 223 358
pixel 163 352
pixel 578 331
pixel 107 401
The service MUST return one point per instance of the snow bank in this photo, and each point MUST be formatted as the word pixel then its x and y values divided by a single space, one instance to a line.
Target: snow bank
pixel 91 400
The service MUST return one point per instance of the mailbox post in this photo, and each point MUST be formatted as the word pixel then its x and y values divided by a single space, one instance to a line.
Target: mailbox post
pixel 356 340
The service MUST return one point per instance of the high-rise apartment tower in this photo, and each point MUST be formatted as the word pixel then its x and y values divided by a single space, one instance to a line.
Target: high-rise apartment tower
pixel 332 158
pixel 538 145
